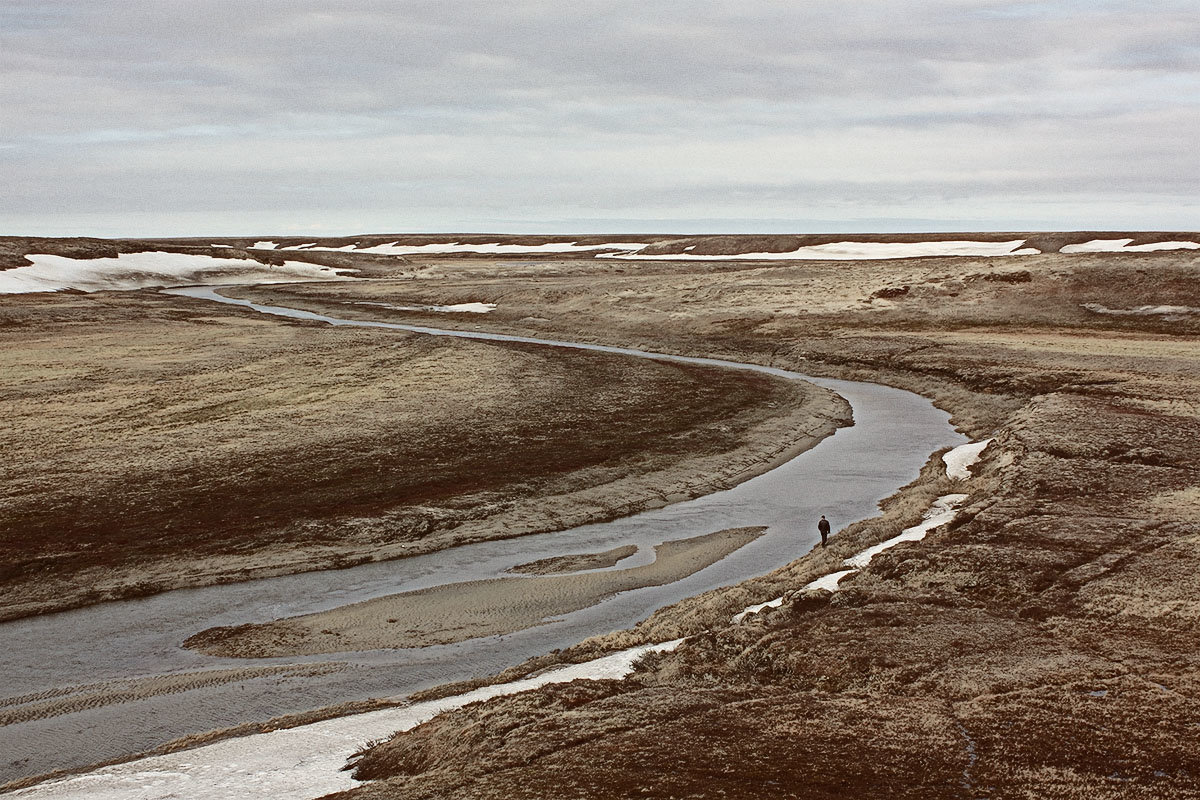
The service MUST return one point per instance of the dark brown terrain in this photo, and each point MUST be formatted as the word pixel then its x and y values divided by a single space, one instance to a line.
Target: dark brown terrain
pixel 1044 645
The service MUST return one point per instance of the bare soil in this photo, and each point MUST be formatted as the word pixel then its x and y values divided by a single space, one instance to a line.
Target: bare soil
pixel 1044 645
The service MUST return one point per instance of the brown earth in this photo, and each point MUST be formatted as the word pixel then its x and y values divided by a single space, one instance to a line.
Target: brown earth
pixel 1043 646
pixel 153 442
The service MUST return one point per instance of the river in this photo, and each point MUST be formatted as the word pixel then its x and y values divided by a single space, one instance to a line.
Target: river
pixel 133 646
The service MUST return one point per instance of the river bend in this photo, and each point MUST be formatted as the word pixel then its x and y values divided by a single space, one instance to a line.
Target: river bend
pixel 843 477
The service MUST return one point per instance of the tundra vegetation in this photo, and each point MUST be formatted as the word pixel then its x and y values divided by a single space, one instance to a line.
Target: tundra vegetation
pixel 1044 644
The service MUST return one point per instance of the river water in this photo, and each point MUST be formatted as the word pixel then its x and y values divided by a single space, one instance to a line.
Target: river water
pixel 843 477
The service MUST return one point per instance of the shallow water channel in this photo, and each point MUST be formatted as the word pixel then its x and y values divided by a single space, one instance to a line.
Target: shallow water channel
pixel 843 477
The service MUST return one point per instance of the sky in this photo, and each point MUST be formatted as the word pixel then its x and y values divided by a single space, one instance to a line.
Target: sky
pixel 198 117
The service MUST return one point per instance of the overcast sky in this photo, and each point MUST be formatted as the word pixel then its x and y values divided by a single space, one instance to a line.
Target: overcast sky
pixel 158 117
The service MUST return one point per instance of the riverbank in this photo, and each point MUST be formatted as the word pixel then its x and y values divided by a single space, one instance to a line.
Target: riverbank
pixel 1016 653
pixel 892 432
pixel 155 443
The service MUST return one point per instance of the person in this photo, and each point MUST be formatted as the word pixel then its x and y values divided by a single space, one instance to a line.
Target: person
pixel 823 527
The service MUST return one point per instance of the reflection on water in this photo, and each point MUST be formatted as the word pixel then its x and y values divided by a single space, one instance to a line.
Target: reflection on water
pixel 843 477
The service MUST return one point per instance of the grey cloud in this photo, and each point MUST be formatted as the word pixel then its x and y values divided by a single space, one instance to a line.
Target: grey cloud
pixel 530 107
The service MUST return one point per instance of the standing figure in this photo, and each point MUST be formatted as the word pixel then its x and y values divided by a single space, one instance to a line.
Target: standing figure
pixel 823 527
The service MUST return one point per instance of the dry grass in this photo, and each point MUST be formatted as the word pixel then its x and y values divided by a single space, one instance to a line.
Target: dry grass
pixel 155 441
pixel 1016 653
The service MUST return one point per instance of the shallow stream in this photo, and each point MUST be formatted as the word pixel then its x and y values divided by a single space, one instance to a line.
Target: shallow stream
pixel 843 477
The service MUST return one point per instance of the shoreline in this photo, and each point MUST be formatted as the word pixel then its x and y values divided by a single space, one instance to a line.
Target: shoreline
pixel 988 648
pixel 898 510
pixel 454 612
pixel 558 512
pixel 783 456
pixel 772 434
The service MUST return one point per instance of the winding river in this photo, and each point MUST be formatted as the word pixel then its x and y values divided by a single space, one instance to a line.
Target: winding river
pixel 166 692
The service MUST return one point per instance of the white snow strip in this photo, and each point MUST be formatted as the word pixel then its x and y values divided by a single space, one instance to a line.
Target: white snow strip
pixel 1140 311
pixel 829 582
pixel 854 251
pixel 487 248
pixel 297 763
pixel 220 245
pixel 457 308
pixel 1122 246
pixel 741 615
pixel 263 246
pixel 962 457
pixel 1154 247
pixel 942 512
pixel 470 308
pixel 138 270
pixel 1097 246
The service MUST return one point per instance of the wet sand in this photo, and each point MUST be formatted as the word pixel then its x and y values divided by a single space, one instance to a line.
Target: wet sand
pixel 456 612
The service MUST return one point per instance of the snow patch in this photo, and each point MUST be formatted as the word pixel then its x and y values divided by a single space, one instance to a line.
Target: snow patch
pixel 263 246
pixel 486 248
pixel 469 308
pixel 457 308
pixel 296 763
pixel 745 612
pixel 1122 246
pixel 854 251
pixel 940 513
pixel 139 270
pixel 1140 311
pixel 960 459
pixel 829 582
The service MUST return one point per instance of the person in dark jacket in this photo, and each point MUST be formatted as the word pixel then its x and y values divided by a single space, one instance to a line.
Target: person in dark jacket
pixel 823 527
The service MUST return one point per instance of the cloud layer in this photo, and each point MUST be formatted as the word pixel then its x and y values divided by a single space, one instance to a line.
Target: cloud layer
pixel 220 116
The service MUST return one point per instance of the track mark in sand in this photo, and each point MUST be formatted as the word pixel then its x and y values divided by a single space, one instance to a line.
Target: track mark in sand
pixel 72 699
